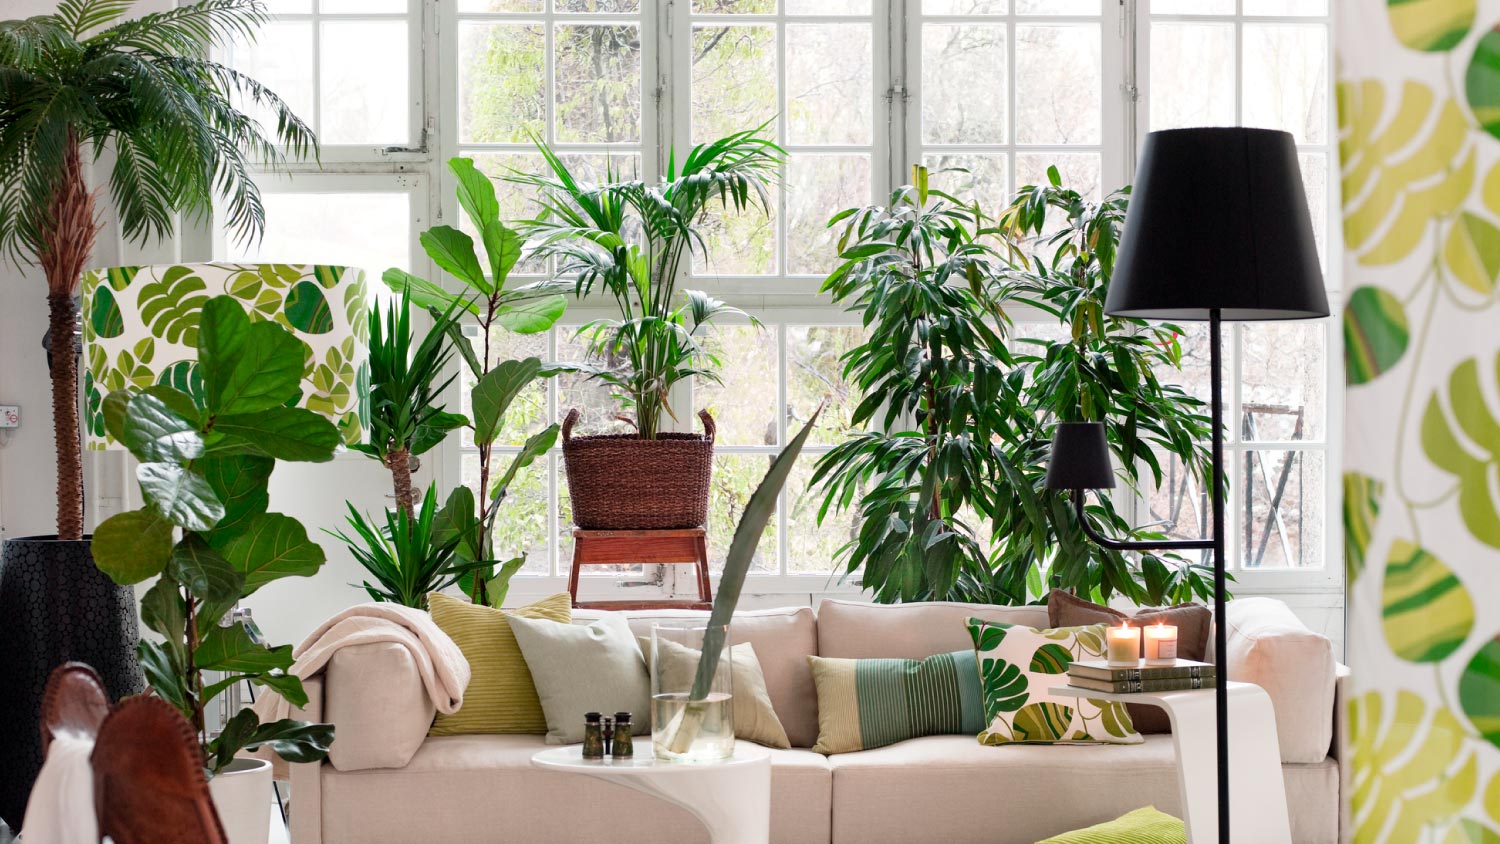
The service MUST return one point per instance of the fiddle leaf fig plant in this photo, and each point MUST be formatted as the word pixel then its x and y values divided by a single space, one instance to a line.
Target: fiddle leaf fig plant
pixel 206 531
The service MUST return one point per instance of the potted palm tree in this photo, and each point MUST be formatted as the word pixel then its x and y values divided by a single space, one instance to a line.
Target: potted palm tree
pixel 76 85
pixel 631 238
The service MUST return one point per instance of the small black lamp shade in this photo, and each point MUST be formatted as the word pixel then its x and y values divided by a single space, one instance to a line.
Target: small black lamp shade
pixel 1080 457
pixel 1218 219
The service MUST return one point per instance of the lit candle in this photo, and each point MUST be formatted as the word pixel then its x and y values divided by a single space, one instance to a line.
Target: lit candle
pixel 1124 645
pixel 1161 643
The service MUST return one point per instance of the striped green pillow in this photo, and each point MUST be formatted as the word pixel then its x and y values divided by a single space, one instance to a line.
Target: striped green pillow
pixel 1143 826
pixel 867 703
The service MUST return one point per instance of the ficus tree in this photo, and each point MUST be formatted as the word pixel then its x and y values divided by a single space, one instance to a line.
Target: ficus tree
pixel 83 83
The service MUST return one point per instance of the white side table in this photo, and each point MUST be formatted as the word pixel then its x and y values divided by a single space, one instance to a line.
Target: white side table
pixel 732 798
pixel 1257 801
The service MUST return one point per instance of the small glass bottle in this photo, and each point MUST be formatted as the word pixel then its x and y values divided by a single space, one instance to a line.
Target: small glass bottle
pixel 624 746
pixel 593 736
pixel 609 734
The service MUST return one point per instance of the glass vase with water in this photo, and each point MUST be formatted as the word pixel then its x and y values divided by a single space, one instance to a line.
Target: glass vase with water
pixel 692 712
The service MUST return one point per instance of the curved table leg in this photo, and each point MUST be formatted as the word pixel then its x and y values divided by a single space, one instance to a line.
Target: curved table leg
pixel 1257 810
pixel 734 802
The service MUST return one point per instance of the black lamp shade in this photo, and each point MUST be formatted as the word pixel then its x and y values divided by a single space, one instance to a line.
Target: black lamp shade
pixel 1218 219
pixel 1080 457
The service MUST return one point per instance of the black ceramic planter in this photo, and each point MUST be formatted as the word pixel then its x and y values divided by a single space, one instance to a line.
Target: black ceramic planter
pixel 55 606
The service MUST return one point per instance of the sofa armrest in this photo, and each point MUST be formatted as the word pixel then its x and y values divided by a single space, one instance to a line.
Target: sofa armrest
pixel 1270 647
pixel 379 708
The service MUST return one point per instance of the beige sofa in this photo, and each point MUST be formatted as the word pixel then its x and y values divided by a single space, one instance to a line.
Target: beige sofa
pixel 385 780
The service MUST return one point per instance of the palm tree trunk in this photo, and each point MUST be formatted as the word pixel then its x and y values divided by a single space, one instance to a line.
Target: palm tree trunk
pixel 399 462
pixel 67 244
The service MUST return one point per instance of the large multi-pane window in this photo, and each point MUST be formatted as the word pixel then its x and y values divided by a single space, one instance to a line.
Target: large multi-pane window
pixel 991 91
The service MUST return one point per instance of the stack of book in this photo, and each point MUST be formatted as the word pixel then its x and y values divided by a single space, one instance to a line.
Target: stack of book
pixel 1101 676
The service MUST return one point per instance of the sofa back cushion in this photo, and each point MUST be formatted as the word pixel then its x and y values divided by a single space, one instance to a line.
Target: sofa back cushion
pixel 783 640
pixel 1270 647
pixel 859 630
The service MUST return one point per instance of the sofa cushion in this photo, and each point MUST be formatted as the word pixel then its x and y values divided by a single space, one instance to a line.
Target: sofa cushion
pixel 479 789
pixel 859 630
pixel 501 697
pixel 1020 794
pixel 580 668
pixel 1270 647
pixel 783 639
pixel 375 700
pixel 865 703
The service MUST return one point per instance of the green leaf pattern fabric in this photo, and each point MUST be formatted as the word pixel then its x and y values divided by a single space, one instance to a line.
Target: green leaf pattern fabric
pixel 1017 667
pixel 141 328
pixel 1418 99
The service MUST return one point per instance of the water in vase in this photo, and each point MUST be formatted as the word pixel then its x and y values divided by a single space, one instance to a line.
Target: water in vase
pixel 686 731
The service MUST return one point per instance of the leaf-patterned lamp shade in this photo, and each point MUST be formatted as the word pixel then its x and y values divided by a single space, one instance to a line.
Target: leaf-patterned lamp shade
pixel 140 327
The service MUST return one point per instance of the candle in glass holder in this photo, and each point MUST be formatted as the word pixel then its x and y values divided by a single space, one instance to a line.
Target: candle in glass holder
pixel 1161 643
pixel 1124 645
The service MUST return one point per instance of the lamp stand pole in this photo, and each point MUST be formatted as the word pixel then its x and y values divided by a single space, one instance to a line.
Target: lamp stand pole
pixel 1221 626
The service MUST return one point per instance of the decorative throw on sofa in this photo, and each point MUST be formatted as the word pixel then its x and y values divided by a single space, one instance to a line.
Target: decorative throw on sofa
pixel 1017 666
pixel 867 703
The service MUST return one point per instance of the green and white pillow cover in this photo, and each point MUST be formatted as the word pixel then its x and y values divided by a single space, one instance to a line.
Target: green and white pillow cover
pixel 140 328
pixel 868 703
pixel 1017 666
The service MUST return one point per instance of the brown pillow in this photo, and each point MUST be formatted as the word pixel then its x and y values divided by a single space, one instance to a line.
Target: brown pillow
pixel 1065 609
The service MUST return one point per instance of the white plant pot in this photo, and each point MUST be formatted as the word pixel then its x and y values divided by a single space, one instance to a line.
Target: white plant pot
pixel 242 795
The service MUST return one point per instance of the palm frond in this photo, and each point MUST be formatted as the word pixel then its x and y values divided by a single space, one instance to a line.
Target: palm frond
pixel 80 16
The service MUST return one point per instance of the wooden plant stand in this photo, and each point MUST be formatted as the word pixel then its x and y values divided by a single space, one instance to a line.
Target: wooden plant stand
pixel 687 546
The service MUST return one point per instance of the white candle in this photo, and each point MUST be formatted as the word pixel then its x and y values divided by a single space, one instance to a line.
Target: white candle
pixel 1124 645
pixel 1161 643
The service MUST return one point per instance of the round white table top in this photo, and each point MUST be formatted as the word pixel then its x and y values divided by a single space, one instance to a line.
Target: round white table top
pixel 571 759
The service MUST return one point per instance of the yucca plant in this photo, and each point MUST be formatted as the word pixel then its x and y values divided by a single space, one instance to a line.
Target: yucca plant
pixel 82 81
pixel 407 556
pixel 406 387
pixel 632 238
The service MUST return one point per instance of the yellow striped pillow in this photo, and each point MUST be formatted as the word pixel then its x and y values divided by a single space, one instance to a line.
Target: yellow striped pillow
pixel 501 697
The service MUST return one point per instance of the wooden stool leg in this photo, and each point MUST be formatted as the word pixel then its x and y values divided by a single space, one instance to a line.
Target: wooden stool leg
pixel 573 573
pixel 705 591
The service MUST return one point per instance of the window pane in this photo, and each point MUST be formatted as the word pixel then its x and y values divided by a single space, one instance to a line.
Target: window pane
pixel 598 78
pixel 1283 506
pixel 1315 182
pixel 813 548
pixel 734 7
pixel 735 477
pixel 1193 376
pixel 744 405
pixel 733 69
pixel 599 6
pixel 287 7
pixel 1192 75
pixel 829 80
pixel 738 243
pixel 527 414
pixel 1058 84
pixel 819 186
pixel 500 5
pixel 1282 381
pixel 363 7
pixel 599 410
pixel 828 7
pixel 521 524
pixel 1192 7
pixel 1286 7
pixel 965 7
pixel 815 373
pixel 501 82
pixel 974 112
pixel 364 83
pixel 1080 171
pixel 1286 79
pixel 1057 7
pixel 282 60
pixel 364 229
pixel 1179 507
pixel 972 176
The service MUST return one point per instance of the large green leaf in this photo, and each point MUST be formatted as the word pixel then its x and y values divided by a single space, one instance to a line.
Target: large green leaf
pixel 247 368
pixel 1481 433
pixel 1043 721
pixel 180 495
pixel 104 314
pixel 535 446
pixel 1375 334
pixel 453 251
pixel 285 433
pixel 1432 26
pixel 307 308
pixel 1479 691
pixel 206 574
pixel 494 393
pixel 1362 497
pixel 240 482
pixel 1482 82
pixel 503 246
pixel 532 315
pixel 476 193
pixel 230 648
pixel 295 741
pixel 164 611
pixel 1051 658
pixel 1426 612
pixel 132 546
pixel 1005 687
pixel 273 546
pixel 155 432
pixel 424 293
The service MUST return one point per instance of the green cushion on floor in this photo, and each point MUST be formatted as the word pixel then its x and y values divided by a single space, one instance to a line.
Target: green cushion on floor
pixel 1143 826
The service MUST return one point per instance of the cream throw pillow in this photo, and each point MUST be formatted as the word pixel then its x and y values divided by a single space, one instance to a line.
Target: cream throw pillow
pixel 754 717
pixel 585 668
pixel 501 697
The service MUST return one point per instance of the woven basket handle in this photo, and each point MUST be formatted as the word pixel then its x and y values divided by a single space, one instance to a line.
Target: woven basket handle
pixel 709 428
pixel 568 422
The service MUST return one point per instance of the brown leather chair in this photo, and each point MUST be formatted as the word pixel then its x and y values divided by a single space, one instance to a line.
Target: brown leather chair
pixel 149 785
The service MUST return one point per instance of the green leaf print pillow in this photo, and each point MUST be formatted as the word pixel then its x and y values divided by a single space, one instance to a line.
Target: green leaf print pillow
pixel 1017 665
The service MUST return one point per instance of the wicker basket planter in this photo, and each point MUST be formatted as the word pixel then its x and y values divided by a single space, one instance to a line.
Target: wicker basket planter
pixel 622 482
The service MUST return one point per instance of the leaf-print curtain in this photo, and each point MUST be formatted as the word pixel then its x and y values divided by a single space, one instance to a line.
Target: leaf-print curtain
pixel 1419 142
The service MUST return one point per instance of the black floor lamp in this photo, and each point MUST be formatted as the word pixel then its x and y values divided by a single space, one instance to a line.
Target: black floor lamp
pixel 1218 231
